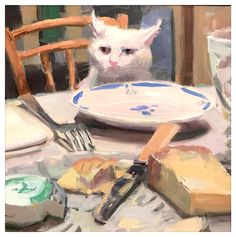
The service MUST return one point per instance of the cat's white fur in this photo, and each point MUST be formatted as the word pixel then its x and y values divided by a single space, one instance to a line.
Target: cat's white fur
pixel 117 66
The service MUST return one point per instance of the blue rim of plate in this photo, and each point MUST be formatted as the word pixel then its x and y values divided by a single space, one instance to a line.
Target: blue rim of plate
pixel 149 123
pixel 112 86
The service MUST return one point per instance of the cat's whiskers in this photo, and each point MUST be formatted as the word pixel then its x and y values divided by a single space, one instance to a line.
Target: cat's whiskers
pixel 86 66
pixel 84 70
pixel 131 70
pixel 135 71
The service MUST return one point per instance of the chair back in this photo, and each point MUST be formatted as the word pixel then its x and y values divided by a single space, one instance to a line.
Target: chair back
pixel 16 57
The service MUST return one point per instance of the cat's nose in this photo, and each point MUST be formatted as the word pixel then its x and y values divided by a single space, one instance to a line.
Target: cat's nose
pixel 113 63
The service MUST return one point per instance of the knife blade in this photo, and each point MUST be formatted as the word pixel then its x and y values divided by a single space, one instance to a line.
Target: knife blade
pixel 120 191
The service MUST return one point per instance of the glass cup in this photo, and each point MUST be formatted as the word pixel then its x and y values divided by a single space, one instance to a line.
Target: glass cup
pixel 219 49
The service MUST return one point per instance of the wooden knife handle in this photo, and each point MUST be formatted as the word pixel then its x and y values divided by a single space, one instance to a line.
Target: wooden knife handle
pixel 160 139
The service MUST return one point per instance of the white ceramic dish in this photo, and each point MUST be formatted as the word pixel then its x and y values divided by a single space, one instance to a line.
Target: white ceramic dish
pixel 142 105
pixel 30 198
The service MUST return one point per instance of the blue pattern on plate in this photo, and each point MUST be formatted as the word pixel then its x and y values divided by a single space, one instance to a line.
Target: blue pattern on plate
pixel 108 86
pixel 144 109
pixel 194 93
pixel 145 112
pixel 77 97
pixel 140 107
pixel 206 106
pixel 150 84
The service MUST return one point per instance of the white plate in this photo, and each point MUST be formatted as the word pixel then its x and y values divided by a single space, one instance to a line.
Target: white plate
pixel 142 105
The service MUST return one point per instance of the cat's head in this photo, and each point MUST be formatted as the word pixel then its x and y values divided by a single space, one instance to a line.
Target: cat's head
pixel 114 49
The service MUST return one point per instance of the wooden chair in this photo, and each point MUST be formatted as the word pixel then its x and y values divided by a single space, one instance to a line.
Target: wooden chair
pixel 16 56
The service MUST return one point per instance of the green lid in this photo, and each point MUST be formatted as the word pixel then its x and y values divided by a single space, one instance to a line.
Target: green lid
pixel 25 190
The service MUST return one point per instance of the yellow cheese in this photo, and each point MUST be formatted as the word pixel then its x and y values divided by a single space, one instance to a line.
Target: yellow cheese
pixel 192 179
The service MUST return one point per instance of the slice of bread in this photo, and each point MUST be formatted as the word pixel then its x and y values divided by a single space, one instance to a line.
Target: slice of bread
pixel 192 179
pixel 89 175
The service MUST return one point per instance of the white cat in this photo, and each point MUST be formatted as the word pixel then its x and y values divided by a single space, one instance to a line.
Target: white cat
pixel 118 55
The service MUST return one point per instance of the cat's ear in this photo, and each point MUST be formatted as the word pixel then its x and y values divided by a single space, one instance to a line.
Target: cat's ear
pixel 98 26
pixel 148 34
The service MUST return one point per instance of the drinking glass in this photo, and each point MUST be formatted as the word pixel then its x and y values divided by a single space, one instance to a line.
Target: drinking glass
pixel 219 49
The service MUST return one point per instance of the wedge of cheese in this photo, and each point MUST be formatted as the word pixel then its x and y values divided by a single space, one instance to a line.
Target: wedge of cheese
pixel 192 179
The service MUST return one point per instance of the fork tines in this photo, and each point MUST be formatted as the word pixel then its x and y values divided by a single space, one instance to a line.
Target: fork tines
pixel 80 138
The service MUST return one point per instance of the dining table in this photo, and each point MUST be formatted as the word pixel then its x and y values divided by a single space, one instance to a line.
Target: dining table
pixel 145 209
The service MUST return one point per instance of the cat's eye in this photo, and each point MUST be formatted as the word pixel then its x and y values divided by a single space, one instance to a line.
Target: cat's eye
pixel 105 50
pixel 128 51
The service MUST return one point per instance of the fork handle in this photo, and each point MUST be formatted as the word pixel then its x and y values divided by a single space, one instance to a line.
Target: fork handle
pixel 34 107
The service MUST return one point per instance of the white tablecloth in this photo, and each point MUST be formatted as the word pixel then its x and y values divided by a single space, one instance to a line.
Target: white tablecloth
pixel 111 139
pixel 57 106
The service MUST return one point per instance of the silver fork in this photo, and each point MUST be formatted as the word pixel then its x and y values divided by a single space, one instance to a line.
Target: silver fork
pixel 71 136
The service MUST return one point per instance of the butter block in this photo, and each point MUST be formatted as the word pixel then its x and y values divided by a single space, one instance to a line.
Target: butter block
pixel 192 224
pixel 192 179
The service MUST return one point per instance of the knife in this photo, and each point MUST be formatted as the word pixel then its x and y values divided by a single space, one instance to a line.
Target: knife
pixel 135 175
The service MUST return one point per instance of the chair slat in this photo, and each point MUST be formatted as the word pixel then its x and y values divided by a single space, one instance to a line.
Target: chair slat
pixel 122 21
pixel 47 69
pixel 52 23
pixel 16 64
pixel 71 67
pixel 58 46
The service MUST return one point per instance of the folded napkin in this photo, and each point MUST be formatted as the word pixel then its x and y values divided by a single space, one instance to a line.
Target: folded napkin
pixel 21 130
